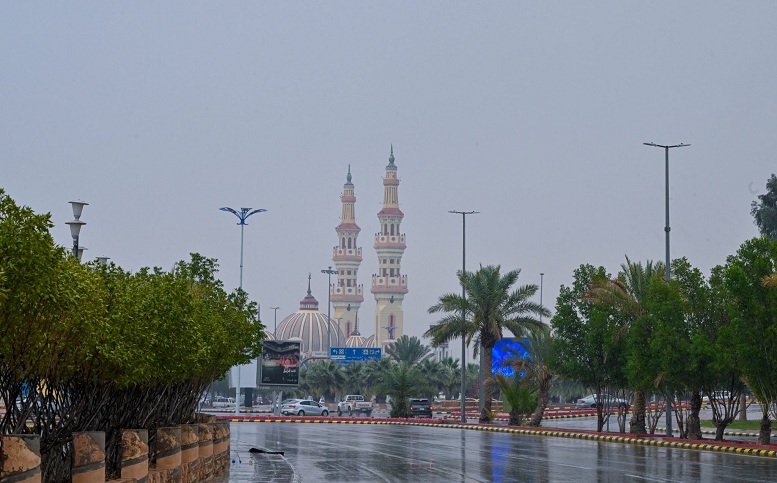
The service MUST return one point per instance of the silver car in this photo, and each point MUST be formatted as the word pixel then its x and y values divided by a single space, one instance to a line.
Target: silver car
pixel 607 400
pixel 303 407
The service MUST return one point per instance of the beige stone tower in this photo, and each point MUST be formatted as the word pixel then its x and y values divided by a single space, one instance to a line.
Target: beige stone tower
pixel 389 286
pixel 346 295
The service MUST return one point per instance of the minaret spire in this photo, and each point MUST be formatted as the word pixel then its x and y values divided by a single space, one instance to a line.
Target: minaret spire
pixel 346 294
pixel 389 286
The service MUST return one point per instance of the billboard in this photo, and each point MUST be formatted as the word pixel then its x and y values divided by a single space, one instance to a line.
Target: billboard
pixel 346 355
pixel 280 363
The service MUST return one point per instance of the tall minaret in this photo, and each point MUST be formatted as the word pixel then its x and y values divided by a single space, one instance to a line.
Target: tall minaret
pixel 346 295
pixel 388 285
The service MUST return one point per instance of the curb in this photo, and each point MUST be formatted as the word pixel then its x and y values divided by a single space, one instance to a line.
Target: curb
pixel 646 440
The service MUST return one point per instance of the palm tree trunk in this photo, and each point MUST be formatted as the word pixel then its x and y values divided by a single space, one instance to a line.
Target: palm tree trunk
pixel 542 403
pixel 488 385
pixel 638 416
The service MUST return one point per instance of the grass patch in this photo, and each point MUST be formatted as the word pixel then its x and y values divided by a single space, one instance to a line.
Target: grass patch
pixel 736 425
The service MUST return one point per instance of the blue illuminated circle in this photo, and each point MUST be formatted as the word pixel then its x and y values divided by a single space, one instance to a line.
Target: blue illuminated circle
pixel 504 351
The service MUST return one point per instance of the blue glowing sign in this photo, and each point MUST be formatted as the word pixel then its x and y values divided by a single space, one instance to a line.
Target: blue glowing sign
pixel 504 351
pixel 346 355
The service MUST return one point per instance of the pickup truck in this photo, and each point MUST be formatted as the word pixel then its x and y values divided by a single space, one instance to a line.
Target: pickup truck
pixel 354 403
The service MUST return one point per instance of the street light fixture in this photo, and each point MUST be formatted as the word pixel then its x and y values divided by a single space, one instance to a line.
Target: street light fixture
pixel 242 215
pixel 275 316
pixel 667 272
pixel 463 314
pixel 329 273
pixel 75 225
pixel 542 276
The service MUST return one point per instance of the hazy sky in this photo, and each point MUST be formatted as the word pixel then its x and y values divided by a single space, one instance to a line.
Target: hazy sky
pixel 533 113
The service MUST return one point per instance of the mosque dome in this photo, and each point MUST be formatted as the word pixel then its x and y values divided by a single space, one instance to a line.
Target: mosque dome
pixel 311 326
pixel 355 339
pixel 369 341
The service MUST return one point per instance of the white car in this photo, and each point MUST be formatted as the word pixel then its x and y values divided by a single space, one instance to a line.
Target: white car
pixel 223 402
pixel 607 400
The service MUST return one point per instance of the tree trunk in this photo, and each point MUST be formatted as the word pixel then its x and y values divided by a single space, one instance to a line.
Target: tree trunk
pixel 764 437
pixel 542 403
pixel 515 418
pixel 488 385
pixel 719 429
pixel 742 407
pixel 694 424
pixel 638 416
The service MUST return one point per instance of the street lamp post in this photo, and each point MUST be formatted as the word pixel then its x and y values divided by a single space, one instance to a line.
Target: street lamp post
pixel 329 273
pixel 275 316
pixel 667 272
pixel 542 276
pixel 76 224
pixel 242 215
pixel 463 313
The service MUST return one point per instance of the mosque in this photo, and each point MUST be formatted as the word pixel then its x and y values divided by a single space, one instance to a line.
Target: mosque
pixel 389 286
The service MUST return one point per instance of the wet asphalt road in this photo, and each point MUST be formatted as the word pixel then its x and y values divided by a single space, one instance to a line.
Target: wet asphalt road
pixel 388 453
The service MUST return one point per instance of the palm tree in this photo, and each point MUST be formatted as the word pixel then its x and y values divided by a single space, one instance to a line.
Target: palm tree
pixel 409 350
pixel 628 294
pixel 490 307
pixel 355 379
pixel 433 373
pixel 537 368
pixel 325 377
pixel 400 382
pixel 519 394
pixel 452 376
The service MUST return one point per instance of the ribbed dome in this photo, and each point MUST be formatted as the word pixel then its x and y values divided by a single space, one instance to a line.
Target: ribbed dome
pixel 355 339
pixel 269 336
pixel 369 341
pixel 311 326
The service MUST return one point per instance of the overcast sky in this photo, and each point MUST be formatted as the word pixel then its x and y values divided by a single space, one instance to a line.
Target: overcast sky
pixel 532 113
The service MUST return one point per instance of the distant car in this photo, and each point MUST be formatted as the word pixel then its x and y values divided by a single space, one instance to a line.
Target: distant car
pixel 607 401
pixel 420 407
pixel 718 396
pixel 223 402
pixel 303 407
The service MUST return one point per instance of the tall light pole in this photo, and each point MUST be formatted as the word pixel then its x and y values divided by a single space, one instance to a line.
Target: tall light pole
pixel 241 215
pixel 463 313
pixel 275 317
pixel 76 224
pixel 329 273
pixel 667 272
pixel 542 276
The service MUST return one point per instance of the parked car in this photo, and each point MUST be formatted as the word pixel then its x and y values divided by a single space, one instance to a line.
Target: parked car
pixel 420 407
pixel 303 407
pixel 223 402
pixel 719 396
pixel 607 401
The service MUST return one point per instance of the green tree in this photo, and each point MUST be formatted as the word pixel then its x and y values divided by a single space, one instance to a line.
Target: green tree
pixel 628 295
pixel 538 368
pixel 753 331
pixel 408 349
pixel 764 210
pixel 401 381
pixel 589 345
pixel 491 306
pixel 326 378
pixel 519 394
pixel 434 374
pixel 452 377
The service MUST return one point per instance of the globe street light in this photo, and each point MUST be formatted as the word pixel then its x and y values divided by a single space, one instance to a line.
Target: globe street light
pixel 329 273
pixel 667 272
pixel 463 313
pixel 75 225
pixel 242 215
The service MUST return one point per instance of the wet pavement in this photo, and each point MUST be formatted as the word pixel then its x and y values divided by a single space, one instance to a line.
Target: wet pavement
pixel 337 452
